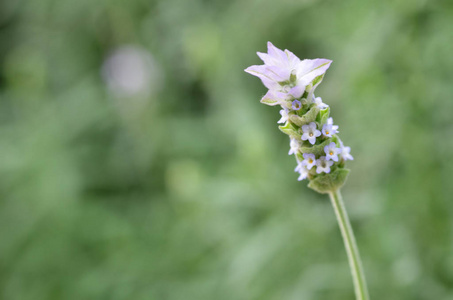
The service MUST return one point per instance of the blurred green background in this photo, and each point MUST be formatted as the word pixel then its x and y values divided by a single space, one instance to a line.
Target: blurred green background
pixel 136 161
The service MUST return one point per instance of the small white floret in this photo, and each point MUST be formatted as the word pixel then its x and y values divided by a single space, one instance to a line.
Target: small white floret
pixel 329 130
pixel 332 151
pixel 302 171
pixel 309 160
pixel 294 145
pixel 284 112
pixel 330 122
pixel 296 105
pixel 345 152
pixel 323 165
pixel 320 104
pixel 310 133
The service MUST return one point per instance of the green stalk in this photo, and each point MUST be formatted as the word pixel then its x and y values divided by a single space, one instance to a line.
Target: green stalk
pixel 358 277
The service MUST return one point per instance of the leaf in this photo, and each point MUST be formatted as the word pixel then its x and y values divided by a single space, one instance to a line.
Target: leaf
pixel 290 130
pixel 331 182
pixel 296 120
pixel 317 150
pixel 323 115
pixel 308 117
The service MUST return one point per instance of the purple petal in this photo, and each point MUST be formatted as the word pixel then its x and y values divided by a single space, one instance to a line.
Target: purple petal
pixel 309 65
pixel 265 58
pixel 269 83
pixel 262 73
pixel 271 99
pixel 293 60
pixel 269 77
pixel 275 52
pixel 277 73
pixel 297 91
pixel 309 69
pixel 256 70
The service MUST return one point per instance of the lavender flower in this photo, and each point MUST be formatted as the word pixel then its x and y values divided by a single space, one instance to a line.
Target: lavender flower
pixel 302 171
pixel 310 133
pixel 289 79
pixel 330 122
pixel 309 160
pixel 278 65
pixel 329 130
pixel 323 165
pixel 296 105
pixel 284 112
pixel 285 75
pixel 294 145
pixel 345 152
pixel 332 151
pixel 320 104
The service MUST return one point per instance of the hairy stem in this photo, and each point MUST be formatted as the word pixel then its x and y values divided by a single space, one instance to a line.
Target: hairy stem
pixel 355 263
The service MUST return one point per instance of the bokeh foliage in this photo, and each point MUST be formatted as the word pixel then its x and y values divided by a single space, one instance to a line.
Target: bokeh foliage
pixel 187 193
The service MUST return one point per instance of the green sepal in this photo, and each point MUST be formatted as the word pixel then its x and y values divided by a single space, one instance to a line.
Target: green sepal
pixel 309 117
pixel 290 130
pixel 323 115
pixel 331 182
pixel 317 150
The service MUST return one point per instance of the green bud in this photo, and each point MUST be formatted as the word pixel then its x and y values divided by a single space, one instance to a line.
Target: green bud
pixel 307 118
pixel 326 183
pixel 290 130
pixel 323 116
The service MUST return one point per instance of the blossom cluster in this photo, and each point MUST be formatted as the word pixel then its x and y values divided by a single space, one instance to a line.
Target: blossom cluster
pixel 313 136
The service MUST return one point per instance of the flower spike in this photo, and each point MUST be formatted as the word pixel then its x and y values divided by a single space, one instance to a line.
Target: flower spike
pixel 291 83
pixel 319 152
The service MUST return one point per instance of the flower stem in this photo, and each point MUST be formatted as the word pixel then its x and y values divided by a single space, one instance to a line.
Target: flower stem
pixel 355 263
